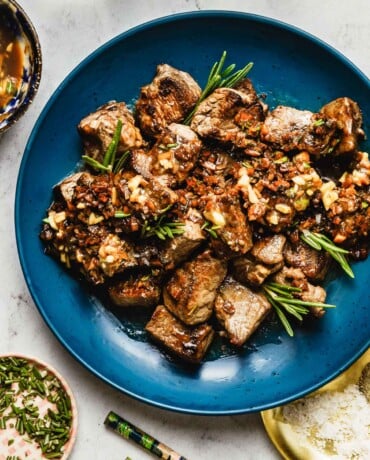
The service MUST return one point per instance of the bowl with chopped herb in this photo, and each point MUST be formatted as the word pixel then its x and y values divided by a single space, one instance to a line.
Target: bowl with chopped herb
pixel 38 414
pixel 20 63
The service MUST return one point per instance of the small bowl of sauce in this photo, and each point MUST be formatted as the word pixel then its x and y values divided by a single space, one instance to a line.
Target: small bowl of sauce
pixel 20 63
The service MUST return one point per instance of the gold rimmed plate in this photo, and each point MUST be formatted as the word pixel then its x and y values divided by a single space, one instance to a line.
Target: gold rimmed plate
pixel 284 433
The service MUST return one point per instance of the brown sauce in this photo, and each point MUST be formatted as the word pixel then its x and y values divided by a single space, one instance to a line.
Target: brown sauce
pixel 11 63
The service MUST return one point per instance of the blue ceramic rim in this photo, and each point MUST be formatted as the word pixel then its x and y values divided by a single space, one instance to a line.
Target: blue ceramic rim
pixel 31 34
pixel 132 31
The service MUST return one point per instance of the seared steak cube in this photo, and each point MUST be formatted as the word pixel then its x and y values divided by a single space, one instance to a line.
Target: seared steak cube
pixel 142 291
pixel 179 248
pixel 172 157
pixel 191 292
pixel 220 116
pixel 240 310
pixel 97 130
pixel 167 99
pixel 247 270
pixel 145 197
pixel 289 129
pixel 228 221
pixel 269 250
pixel 175 153
pixel 314 264
pixel 309 292
pixel 188 343
pixel 347 117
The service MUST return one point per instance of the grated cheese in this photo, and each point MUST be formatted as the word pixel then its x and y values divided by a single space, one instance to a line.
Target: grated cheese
pixel 336 424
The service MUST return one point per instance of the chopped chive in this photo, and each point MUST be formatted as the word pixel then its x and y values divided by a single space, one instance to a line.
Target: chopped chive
pixel 51 431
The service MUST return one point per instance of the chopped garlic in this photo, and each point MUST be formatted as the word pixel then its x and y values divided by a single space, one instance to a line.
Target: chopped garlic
pixel 135 182
pixel 329 194
pixel 245 185
pixel 94 219
pixel 215 217
pixel 60 217
pixel 283 208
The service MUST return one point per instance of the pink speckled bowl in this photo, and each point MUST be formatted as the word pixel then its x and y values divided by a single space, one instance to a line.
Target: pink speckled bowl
pixel 20 447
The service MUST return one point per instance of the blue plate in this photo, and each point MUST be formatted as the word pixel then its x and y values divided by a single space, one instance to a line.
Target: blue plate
pixel 291 67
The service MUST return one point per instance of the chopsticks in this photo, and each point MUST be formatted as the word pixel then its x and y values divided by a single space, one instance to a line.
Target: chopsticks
pixel 129 431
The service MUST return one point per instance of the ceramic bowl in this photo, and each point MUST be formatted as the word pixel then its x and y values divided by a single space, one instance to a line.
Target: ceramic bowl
pixel 13 444
pixel 14 17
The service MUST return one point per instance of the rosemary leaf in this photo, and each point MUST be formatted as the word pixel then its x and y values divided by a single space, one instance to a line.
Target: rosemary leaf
pixel 281 298
pixel 319 242
pixel 110 154
pixel 94 164
pixel 220 78
pixel 121 161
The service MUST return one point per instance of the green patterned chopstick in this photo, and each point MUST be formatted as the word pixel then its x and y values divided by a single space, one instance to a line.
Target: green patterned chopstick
pixel 130 431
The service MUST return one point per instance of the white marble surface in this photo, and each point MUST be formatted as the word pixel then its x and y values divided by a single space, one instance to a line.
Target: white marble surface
pixel 68 31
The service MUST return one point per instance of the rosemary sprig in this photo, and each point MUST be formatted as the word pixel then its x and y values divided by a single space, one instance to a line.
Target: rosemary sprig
pixel 220 78
pixel 110 154
pixel 210 228
pixel 282 298
pixel 121 161
pixel 319 241
pixel 109 162
pixel 162 228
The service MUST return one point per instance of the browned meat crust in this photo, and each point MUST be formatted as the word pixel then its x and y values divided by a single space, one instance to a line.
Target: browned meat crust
pixel 188 343
pixel 290 129
pixel 142 291
pixel 269 250
pixel 167 99
pixel 229 221
pixel 246 270
pixel 314 264
pixel 172 157
pixel 346 115
pixel 178 249
pixel 97 130
pixel 231 116
pixel 191 292
pixel 240 310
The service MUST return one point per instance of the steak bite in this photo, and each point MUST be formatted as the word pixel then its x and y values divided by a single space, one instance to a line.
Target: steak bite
pixel 229 223
pixel 247 270
pixel 309 292
pixel 145 197
pixel 179 248
pixel 231 116
pixel 289 129
pixel 192 289
pixel 167 99
pixel 172 157
pixel 314 264
pixel 240 310
pixel 142 291
pixel 188 343
pixel 97 130
pixel 66 188
pixel 346 115
pixel 269 250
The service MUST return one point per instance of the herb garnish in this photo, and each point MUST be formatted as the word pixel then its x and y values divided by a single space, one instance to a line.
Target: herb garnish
pixel 162 228
pixel 109 162
pixel 220 78
pixel 210 228
pixel 318 241
pixel 282 298
pixel 20 383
